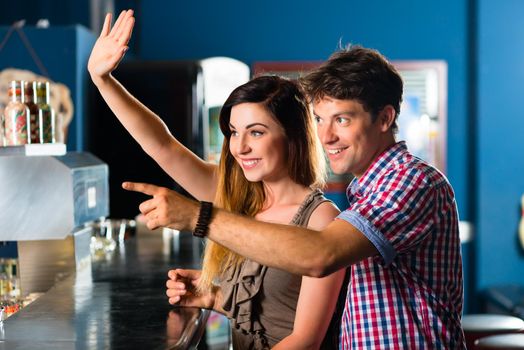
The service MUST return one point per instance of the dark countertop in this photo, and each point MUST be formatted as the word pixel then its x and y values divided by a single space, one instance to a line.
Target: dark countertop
pixel 117 303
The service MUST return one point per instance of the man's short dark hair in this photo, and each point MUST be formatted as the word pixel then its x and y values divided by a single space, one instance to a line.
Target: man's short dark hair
pixel 357 73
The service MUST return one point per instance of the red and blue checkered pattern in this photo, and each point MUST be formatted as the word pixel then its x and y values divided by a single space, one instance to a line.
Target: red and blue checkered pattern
pixel 410 295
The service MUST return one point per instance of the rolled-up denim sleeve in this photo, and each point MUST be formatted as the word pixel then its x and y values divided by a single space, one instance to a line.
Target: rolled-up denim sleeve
pixel 383 246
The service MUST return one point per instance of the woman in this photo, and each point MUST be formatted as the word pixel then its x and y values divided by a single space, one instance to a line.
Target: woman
pixel 269 169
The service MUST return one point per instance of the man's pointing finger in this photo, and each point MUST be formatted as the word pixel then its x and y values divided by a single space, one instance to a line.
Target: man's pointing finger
pixel 148 189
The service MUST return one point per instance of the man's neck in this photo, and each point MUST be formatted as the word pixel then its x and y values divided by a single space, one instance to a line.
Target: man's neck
pixel 385 144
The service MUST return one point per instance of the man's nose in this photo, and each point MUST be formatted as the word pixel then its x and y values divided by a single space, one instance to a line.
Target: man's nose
pixel 326 134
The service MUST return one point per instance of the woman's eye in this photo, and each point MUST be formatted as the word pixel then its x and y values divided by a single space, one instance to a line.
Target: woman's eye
pixel 233 133
pixel 318 120
pixel 256 133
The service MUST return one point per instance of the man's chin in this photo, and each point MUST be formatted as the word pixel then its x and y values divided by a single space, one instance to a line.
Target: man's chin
pixel 338 170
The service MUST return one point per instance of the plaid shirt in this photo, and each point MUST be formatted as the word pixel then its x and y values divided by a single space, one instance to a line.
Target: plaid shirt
pixel 410 295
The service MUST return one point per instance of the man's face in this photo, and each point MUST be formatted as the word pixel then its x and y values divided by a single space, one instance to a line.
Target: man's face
pixel 349 136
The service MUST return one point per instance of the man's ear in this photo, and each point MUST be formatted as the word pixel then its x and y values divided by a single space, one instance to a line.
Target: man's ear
pixel 387 117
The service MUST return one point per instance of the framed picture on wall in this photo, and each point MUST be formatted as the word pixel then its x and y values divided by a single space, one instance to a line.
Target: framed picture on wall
pixel 291 70
pixel 423 116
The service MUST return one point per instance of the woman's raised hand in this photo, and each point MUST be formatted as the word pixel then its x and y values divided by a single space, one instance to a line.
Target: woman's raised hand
pixel 111 45
pixel 181 289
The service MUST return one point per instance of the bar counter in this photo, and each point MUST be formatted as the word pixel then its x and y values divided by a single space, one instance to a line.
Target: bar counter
pixel 118 302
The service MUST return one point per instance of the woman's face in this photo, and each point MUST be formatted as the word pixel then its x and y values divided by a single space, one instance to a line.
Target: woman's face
pixel 258 143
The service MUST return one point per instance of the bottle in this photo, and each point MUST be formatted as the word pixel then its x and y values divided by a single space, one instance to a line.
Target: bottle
pixel 521 224
pixel 46 114
pixel 14 279
pixel 29 100
pixel 16 116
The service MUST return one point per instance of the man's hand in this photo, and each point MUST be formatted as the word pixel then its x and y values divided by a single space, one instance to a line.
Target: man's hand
pixel 167 208
pixel 110 46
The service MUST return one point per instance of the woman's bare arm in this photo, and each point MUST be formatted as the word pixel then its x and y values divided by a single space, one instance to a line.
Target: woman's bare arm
pixel 188 170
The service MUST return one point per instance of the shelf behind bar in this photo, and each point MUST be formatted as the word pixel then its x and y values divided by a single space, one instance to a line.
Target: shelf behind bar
pixel 43 149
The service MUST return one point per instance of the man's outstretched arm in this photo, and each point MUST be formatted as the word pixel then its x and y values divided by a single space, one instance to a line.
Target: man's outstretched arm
pixel 295 249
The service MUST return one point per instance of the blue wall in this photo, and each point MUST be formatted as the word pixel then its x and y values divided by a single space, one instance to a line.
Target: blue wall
pixel 500 131
pixel 57 12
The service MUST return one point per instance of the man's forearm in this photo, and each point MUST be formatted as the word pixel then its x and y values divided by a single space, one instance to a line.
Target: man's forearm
pixel 295 249
pixel 291 248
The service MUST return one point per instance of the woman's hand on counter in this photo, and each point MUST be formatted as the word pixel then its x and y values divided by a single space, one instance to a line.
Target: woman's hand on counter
pixel 182 289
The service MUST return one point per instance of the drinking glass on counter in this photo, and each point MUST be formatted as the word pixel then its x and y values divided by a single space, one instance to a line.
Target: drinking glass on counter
pixel 106 234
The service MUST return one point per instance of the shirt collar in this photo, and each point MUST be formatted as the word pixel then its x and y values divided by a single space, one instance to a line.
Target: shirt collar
pixel 377 167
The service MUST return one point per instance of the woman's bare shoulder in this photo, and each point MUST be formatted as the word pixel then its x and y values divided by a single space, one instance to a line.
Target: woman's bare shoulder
pixel 323 215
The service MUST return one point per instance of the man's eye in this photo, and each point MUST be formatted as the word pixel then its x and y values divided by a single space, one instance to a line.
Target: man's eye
pixel 341 120
pixel 318 120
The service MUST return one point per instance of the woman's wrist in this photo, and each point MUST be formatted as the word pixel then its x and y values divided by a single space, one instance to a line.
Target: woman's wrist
pixel 100 80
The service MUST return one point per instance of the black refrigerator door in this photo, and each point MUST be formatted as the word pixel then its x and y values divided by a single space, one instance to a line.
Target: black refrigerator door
pixel 173 90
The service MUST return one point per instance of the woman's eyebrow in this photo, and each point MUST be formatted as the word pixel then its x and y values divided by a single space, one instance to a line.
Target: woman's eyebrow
pixel 256 124
pixel 250 125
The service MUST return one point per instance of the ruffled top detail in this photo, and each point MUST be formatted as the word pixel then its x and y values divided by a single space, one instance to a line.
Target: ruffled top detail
pixel 241 284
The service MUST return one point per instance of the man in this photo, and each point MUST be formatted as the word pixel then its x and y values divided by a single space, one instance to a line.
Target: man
pixel 398 237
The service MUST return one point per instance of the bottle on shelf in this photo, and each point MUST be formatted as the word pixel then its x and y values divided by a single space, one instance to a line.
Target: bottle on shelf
pixel 16 116
pixel 29 100
pixel 46 114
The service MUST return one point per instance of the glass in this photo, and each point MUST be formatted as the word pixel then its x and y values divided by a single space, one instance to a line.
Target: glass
pixel 106 234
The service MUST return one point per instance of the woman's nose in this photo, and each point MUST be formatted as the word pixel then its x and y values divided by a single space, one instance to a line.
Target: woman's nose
pixel 242 145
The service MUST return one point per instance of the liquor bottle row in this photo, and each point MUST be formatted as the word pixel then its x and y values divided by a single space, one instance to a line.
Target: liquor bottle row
pixel 28 117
